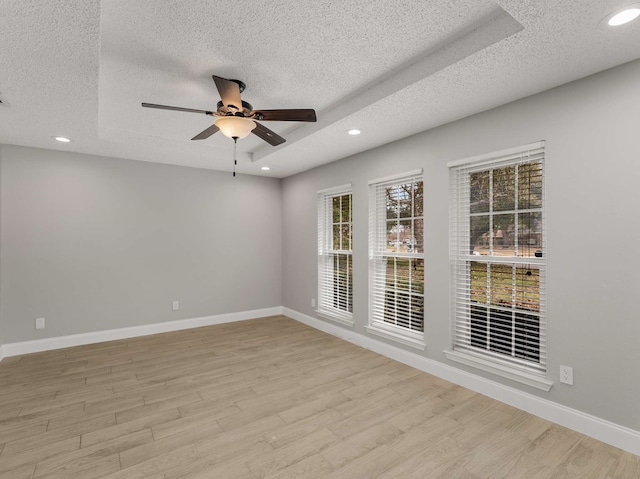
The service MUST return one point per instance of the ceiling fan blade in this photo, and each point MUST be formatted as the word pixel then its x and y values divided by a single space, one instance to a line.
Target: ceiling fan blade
pixel 176 108
pixel 267 135
pixel 286 115
pixel 206 133
pixel 229 92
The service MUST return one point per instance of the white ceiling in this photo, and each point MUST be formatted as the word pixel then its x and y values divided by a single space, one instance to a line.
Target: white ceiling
pixel 81 69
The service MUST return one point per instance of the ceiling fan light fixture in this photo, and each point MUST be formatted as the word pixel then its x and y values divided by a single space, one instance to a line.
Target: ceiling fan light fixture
pixel 627 14
pixel 235 122
pixel 235 126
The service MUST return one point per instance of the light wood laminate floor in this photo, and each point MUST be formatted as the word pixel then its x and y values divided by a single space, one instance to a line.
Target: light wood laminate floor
pixel 267 398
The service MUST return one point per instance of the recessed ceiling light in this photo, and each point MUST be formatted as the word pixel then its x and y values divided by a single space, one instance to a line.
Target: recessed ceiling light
pixel 61 139
pixel 354 132
pixel 265 168
pixel 620 17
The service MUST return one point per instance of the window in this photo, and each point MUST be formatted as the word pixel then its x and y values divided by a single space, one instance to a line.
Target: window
pixel 498 262
pixel 396 259
pixel 335 281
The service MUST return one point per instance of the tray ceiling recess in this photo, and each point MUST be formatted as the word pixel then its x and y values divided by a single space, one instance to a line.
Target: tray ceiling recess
pixel 81 70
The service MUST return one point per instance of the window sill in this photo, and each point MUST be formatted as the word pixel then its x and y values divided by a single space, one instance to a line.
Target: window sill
pixel 504 371
pixel 343 320
pixel 416 340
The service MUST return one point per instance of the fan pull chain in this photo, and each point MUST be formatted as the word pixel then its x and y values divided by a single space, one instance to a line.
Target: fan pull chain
pixel 235 160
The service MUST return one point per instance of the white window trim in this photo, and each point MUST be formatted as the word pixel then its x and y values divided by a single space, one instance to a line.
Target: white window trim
pixel 400 335
pixel 346 320
pixel 407 337
pixel 336 315
pixel 468 357
pixel 335 190
pixel 500 156
pixel 399 176
pixel 503 370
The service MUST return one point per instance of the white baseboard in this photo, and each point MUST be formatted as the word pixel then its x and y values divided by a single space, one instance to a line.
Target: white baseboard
pixel 38 345
pixel 595 427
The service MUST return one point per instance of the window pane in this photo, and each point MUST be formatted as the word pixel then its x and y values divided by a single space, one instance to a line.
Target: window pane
pixel 501 284
pixel 393 236
pixel 346 208
pixel 479 326
pixel 403 307
pixel 528 288
pixel 336 237
pixel 530 186
pixel 504 188
pixel 478 291
pixel 342 296
pixel 480 240
pixel 405 235
pixel 403 274
pixel 390 277
pixel 405 199
pixel 405 310
pixel 479 192
pixel 527 337
pixel 417 245
pixel 404 289
pixel 504 240
pixel 336 208
pixel 417 313
pixel 390 307
pixel 417 276
pixel 393 202
pixel 530 234
pixel 346 237
pixel 501 331
pixel 418 199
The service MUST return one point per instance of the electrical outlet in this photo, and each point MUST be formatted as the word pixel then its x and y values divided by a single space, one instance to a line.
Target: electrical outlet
pixel 313 302
pixel 176 305
pixel 39 323
pixel 566 375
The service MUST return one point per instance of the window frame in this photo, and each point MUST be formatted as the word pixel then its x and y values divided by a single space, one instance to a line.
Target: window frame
pixel 378 257
pixel 489 358
pixel 327 255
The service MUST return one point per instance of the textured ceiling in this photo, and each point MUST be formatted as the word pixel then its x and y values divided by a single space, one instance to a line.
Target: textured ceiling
pixel 81 69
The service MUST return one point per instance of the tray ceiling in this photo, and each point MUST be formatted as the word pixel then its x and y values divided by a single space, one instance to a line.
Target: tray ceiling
pixel 391 69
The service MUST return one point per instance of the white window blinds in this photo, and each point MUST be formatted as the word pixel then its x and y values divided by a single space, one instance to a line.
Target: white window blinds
pixel 498 252
pixel 335 281
pixel 396 255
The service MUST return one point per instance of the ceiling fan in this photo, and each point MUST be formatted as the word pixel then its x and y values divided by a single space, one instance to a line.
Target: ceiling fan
pixel 236 118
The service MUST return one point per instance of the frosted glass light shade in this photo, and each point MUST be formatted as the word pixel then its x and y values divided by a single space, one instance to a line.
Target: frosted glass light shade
pixel 235 126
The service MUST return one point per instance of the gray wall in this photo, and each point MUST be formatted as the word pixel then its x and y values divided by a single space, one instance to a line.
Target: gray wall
pixel 1 327
pixel 93 243
pixel 593 230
